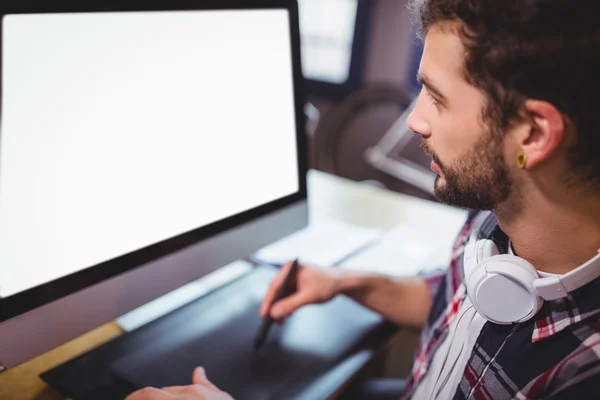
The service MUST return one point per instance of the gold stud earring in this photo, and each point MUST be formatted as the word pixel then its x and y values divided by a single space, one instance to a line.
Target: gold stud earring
pixel 521 159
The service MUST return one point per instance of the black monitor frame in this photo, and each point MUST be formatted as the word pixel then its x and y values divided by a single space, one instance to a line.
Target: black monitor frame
pixel 30 299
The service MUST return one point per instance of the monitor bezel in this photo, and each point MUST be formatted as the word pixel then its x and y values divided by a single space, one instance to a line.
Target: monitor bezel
pixel 30 299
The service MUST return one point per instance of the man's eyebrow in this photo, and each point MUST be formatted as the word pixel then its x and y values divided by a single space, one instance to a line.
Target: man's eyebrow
pixel 423 80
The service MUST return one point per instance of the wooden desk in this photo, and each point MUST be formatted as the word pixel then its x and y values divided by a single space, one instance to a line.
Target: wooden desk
pixel 23 382
pixel 328 196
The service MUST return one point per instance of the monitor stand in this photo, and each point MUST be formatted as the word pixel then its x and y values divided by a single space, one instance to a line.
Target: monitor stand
pixel 217 333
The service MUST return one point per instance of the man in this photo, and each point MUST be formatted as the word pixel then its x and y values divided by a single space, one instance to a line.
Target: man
pixel 508 114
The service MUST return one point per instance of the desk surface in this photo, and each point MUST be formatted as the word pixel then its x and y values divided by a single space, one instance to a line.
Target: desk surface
pixel 328 196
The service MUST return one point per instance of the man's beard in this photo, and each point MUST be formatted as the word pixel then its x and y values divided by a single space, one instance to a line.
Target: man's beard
pixel 477 180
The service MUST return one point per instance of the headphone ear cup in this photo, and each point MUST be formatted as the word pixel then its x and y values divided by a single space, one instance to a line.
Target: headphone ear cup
pixel 501 288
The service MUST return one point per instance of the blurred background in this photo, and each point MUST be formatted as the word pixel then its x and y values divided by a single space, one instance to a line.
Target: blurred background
pixel 360 58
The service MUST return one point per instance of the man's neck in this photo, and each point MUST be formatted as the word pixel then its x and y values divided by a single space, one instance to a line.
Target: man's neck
pixel 555 234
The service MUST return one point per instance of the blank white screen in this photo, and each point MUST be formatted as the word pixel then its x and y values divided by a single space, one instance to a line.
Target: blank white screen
pixel 120 130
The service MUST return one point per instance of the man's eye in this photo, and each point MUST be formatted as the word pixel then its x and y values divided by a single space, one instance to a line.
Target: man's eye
pixel 432 99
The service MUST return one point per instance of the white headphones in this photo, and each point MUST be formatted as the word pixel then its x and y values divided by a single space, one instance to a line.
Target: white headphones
pixel 506 289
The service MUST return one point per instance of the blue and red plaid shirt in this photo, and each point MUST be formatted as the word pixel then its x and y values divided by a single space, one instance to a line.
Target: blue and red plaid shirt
pixel 555 355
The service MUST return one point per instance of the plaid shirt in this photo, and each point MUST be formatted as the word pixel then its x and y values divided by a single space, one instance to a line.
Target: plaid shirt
pixel 555 355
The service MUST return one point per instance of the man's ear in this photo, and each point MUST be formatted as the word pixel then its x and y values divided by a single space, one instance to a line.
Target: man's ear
pixel 547 131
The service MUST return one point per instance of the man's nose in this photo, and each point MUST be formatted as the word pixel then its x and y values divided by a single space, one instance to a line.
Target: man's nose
pixel 416 121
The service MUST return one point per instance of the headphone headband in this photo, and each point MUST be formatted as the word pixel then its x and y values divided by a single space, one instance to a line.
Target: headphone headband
pixel 556 287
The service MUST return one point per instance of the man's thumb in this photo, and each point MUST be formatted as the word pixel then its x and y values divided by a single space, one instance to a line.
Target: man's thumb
pixel 199 378
pixel 285 307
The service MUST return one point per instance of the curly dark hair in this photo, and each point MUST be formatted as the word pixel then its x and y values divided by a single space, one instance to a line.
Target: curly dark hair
pixel 532 49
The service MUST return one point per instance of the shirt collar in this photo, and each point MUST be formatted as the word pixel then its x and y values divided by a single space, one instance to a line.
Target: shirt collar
pixel 557 315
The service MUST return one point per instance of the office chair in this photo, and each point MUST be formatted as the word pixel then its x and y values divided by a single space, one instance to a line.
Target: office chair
pixel 365 138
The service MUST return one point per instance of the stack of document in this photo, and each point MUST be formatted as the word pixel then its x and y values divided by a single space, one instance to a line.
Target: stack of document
pixel 409 249
pixel 323 242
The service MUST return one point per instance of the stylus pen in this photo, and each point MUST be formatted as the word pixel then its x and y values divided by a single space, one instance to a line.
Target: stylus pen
pixel 284 291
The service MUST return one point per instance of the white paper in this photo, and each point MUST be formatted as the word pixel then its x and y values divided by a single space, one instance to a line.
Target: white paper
pixel 323 242
pixel 409 249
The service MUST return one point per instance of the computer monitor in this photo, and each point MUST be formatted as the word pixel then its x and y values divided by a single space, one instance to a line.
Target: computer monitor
pixel 143 145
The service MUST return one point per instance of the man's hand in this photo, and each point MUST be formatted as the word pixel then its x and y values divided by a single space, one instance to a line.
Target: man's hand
pixel 201 389
pixel 313 285
pixel 403 301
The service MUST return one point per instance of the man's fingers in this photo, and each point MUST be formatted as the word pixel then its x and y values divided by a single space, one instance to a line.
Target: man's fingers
pixel 288 305
pixel 150 393
pixel 175 389
pixel 273 288
pixel 199 378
